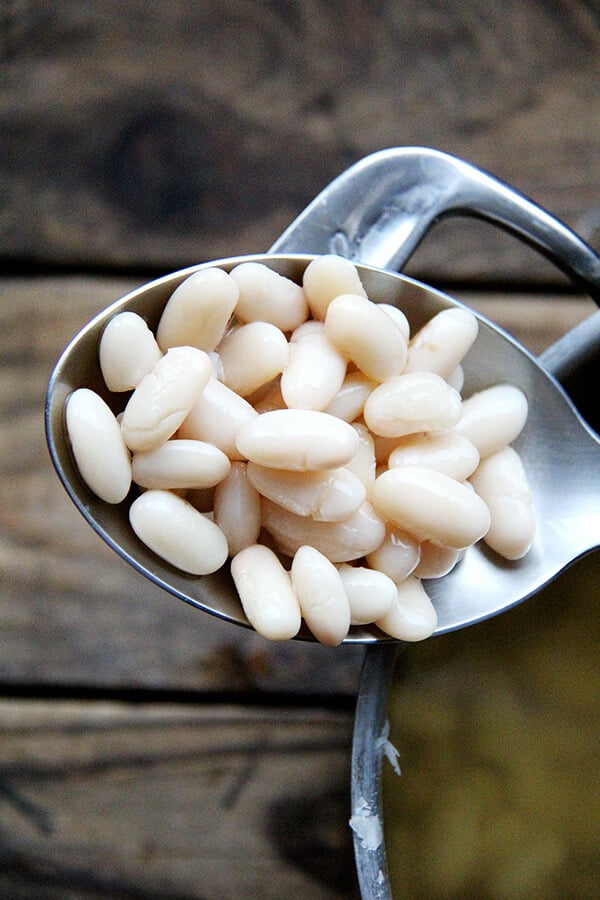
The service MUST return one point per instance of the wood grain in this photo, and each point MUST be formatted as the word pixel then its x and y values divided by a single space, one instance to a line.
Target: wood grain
pixel 120 801
pixel 165 134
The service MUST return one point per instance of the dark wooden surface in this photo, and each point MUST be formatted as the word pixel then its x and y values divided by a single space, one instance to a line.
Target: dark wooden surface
pixel 147 749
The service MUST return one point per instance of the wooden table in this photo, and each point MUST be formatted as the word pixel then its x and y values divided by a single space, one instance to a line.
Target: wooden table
pixel 146 749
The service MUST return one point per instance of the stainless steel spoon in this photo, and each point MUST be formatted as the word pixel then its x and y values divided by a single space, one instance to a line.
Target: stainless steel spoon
pixel 375 213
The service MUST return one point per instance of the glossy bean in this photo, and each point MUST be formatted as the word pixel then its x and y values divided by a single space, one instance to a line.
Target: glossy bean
pixel 399 318
pixel 353 538
pixel 266 593
pixel 174 530
pixel 164 397
pixel 127 351
pixel 370 593
pixel 363 463
pixel 321 594
pixel 325 278
pixel 436 561
pixel 266 296
pixel 198 311
pixel 443 342
pixel 180 464
pixel 97 443
pixel 367 335
pixel 315 370
pixel 444 451
pixel 397 556
pixel 501 481
pixel 350 399
pixel 297 439
pixel 217 416
pixel 251 356
pixel 431 506
pixel 237 509
pixel 493 418
pixel 407 404
pixel 412 616
pixel 326 495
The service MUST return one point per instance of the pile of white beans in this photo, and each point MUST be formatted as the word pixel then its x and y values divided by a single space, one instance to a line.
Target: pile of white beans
pixel 303 433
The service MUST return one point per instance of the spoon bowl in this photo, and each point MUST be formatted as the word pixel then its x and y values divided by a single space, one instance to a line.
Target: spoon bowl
pixel 560 453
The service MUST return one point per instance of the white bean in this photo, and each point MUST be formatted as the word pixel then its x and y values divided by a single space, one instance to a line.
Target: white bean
pixel 174 530
pixel 266 593
pixel 252 355
pixel 325 278
pixel 315 370
pixel 493 418
pixel 353 538
pixel 407 404
pixel 412 616
pixel 397 556
pixel 180 464
pixel 321 594
pixel 266 296
pixel 198 311
pixel 370 593
pixel 443 342
pixel 237 509
pixel 217 416
pixel 367 335
pixel 399 318
pixel 297 439
pixel 102 458
pixel 349 401
pixel 164 397
pixel 444 451
pixel 436 561
pixel 430 506
pixel 326 495
pixel 363 463
pixel 127 352
pixel 502 483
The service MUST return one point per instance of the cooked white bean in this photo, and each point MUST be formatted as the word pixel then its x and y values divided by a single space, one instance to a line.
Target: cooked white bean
pixel 397 556
pixel 363 463
pixel 217 416
pixel 443 342
pixel 198 311
pixel 407 404
pixel 353 538
pixel 321 594
pixel 399 318
pixel 315 370
pixel 266 296
pixel 252 355
pixel 501 481
pixel 102 458
pixel 367 335
pixel 412 616
pixel 493 418
pixel 349 401
pixel 431 506
pixel 127 352
pixel 456 378
pixel 325 278
pixel 326 495
pixel 370 593
pixel 164 397
pixel 174 530
pixel 266 593
pixel 269 399
pixel 298 439
pixel 444 451
pixel 436 561
pixel 237 509
pixel 180 464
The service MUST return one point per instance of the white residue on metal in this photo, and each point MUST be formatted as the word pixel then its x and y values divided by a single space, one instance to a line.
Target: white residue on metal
pixel 365 823
pixel 384 745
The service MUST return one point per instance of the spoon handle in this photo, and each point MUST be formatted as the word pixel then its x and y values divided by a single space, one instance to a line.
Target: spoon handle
pixel 378 211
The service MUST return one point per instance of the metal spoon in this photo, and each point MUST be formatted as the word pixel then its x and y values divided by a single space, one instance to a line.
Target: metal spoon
pixel 375 213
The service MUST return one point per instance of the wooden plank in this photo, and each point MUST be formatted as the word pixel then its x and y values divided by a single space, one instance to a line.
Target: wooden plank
pixel 164 136
pixel 71 612
pixel 112 800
